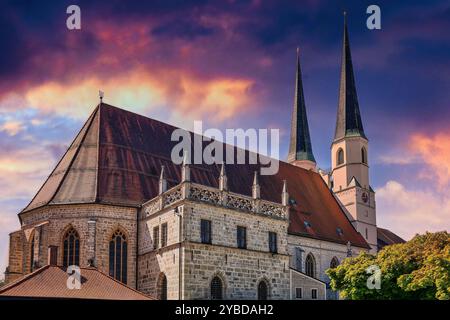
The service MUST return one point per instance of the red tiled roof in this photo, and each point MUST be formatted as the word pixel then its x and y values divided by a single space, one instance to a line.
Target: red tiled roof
pixel 51 282
pixel 117 156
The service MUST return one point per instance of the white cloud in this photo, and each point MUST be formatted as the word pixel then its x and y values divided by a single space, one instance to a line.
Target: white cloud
pixel 406 211
pixel 12 128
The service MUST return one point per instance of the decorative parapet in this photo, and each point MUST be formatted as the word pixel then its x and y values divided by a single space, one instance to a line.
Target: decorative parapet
pixel 213 196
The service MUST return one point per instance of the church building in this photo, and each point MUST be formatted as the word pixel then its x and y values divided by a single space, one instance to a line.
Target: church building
pixel 117 203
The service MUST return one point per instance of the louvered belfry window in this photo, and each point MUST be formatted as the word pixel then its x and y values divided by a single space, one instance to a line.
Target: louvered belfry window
pixel 71 253
pixel 118 251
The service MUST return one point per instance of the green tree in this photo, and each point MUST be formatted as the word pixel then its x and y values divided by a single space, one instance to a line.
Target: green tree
pixel 417 269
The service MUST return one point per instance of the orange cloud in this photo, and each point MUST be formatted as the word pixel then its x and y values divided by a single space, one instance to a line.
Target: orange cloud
pixel 143 90
pixel 12 127
pixel 435 153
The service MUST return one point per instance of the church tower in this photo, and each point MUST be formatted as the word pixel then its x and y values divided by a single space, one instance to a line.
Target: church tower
pixel 349 154
pixel 300 149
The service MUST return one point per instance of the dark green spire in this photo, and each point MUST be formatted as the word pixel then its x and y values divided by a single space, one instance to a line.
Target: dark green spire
pixel 300 146
pixel 348 122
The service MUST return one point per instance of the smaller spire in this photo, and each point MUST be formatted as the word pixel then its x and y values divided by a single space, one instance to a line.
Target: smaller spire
pixel 256 189
pixel 185 169
pixel 285 194
pixel 162 181
pixel 223 183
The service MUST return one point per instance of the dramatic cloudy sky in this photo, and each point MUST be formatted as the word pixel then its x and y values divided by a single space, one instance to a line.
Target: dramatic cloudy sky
pixel 231 64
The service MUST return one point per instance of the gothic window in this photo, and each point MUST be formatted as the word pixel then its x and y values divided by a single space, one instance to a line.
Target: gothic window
pixel 334 263
pixel 298 259
pixel 363 155
pixel 32 252
pixel 242 237
pixel 205 230
pixel 310 266
pixel 163 235
pixel 162 287
pixel 118 248
pixel 262 290
pixel 71 244
pixel 340 156
pixel 216 289
pixel 155 237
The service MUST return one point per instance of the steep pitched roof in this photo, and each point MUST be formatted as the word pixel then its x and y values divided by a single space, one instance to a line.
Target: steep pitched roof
pixel 300 147
pixel 51 282
pixel 348 122
pixel 117 157
pixel 386 237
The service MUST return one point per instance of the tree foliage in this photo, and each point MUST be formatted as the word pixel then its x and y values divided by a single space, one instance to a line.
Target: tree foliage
pixel 417 269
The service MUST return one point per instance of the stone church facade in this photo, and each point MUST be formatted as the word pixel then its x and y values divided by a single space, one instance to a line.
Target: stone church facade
pixel 117 202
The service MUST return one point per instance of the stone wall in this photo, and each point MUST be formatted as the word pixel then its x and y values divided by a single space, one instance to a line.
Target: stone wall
pixel 95 225
pixel 239 269
pixel 16 256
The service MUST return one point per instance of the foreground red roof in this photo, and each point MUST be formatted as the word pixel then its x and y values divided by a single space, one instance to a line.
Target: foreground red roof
pixel 117 156
pixel 51 282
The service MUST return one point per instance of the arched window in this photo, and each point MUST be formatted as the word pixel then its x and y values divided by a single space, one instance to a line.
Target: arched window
pixel 32 252
pixel 310 266
pixel 216 289
pixel 363 155
pixel 162 287
pixel 340 156
pixel 71 243
pixel 262 290
pixel 334 263
pixel 118 256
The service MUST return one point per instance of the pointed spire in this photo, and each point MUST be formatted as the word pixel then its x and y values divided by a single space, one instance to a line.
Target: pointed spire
pixel 162 181
pixel 348 122
pixel 185 169
pixel 284 194
pixel 256 189
pixel 223 183
pixel 300 145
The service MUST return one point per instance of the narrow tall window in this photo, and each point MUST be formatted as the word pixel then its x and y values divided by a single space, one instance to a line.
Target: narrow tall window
pixel 216 289
pixel 363 155
pixel 310 266
pixel 156 237
pixel 298 259
pixel 163 235
pixel 118 248
pixel 71 244
pixel 242 237
pixel 314 294
pixel 273 242
pixel 205 231
pixel 262 290
pixel 340 156
pixel 367 234
pixel 32 253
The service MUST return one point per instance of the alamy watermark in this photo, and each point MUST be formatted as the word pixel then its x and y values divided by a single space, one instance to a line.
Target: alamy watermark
pixel 216 152
pixel 374 280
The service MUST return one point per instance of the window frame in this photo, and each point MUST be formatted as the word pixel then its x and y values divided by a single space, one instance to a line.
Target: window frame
pixel 118 256
pixel 164 234
pixel 310 257
pixel 156 237
pixel 316 295
pixel 206 234
pixel 241 237
pixel 71 248
pixel 273 242
pixel 297 290
pixel 339 160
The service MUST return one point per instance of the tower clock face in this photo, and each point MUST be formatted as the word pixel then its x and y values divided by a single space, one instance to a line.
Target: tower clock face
pixel 365 197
